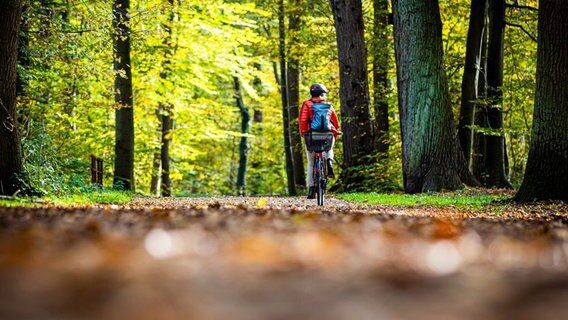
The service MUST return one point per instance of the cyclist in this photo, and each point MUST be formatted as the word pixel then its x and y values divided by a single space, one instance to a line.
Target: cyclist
pixel 318 94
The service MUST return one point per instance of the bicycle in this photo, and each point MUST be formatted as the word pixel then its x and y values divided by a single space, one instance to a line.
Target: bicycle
pixel 319 143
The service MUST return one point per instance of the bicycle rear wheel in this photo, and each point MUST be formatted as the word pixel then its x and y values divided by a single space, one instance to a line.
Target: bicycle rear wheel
pixel 321 192
pixel 320 181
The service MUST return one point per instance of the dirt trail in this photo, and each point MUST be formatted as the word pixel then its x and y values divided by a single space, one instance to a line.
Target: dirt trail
pixel 282 258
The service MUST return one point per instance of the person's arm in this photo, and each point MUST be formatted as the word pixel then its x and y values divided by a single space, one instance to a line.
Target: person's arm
pixel 304 119
pixel 334 121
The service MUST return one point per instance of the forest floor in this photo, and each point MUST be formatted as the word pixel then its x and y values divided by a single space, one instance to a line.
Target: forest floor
pixel 283 258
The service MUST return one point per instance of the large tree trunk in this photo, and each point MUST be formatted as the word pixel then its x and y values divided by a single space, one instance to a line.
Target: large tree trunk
pixel 357 125
pixel 432 158
pixel 10 150
pixel 23 48
pixel 495 157
pixel 243 146
pixel 293 84
pixel 546 175
pixel 284 92
pixel 471 76
pixel 381 66
pixel 124 140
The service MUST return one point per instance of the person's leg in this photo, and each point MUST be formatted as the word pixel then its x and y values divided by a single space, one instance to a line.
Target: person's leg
pixel 329 155
pixel 310 176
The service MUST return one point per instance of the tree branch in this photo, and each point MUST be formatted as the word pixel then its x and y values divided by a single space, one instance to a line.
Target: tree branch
pixel 518 6
pixel 522 28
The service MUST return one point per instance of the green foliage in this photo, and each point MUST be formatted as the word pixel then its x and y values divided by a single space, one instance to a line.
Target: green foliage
pixel 67 108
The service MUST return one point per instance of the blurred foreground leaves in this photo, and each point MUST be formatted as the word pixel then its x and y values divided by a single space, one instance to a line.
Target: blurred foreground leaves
pixel 247 258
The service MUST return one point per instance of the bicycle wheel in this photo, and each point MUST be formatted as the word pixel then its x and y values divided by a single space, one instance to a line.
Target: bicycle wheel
pixel 320 181
pixel 321 192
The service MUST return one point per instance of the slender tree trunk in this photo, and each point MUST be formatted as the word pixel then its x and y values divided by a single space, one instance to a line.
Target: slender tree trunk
pixel 471 76
pixel 166 181
pixel 243 146
pixel 166 107
pixel 293 84
pixel 357 125
pixel 381 66
pixel 431 155
pixel 284 93
pixel 10 150
pixel 546 175
pixel 124 140
pixel 495 158
pixel 156 166
pixel 479 143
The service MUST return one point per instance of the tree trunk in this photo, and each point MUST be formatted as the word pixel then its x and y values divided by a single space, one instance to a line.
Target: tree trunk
pixel 156 166
pixel 167 122
pixel 431 155
pixel 23 48
pixel 479 143
pixel 546 175
pixel 284 93
pixel 165 106
pixel 495 157
pixel 124 140
pixel 358 139
pixel 471 76
pixel 293 85
pixel 381 67
pixel 10 150
pixel 243 146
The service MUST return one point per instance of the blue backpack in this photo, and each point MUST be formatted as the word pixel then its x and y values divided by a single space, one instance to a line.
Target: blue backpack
pixel 321 121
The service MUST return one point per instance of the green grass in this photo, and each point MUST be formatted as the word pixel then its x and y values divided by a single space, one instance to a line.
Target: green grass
pixel 94 197
pixel 83 198
pixel 456 199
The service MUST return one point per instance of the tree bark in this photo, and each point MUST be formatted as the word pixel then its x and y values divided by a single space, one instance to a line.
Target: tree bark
pixel 156 167
pixel 23 48
pixel 479 143
pixel 546 175
pixel 11 165
pixel 495 143
pixel 243 146
pixel 293 86
pixel 381 67
pixel 124 139
pixel 357 124
pixel 431 155
pixel 471 76
pixel 167 124
pixel 166 107
pixel 284 93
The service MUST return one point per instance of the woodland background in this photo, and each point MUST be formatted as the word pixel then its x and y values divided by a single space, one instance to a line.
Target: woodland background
pixel 206 65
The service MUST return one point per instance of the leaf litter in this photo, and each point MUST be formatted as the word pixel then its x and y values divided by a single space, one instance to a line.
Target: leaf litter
pixel 283 258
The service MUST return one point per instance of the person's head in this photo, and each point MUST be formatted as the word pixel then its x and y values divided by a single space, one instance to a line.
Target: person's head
pixel 318 90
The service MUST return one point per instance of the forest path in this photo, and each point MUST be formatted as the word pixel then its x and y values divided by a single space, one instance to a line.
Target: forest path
pixel 282 258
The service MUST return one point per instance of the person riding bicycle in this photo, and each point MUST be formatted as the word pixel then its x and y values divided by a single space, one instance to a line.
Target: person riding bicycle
pixel 318 94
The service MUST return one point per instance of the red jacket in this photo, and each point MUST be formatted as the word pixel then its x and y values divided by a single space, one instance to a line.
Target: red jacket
pixel 307 113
